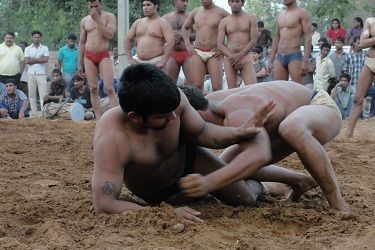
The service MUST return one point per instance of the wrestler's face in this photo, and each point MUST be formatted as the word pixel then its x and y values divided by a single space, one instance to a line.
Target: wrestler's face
pixel 10 87
pixel 235 5
pixel 97 5
pixel 149 8
pixel 206 3
pixel 181 5
pixel 159 121
pixel 289 2
pixel 9 40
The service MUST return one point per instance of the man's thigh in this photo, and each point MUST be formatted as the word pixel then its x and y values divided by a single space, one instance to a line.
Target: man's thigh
pixel 248 73
pixel 238 193
pixel 230 74
pixel 215 70
pixel 279 72
pixel 321 121
pixel 197 71
pixel 295 70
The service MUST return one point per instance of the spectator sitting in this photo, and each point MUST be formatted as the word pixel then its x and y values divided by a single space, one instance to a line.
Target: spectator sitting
pixel 335 31
pixel 13 102
pixel 259 67
pixel 339 58
pixel 355 31
pixel 58 86
pixel 81 93
pixel 2 87
pixel 342 95
pixel 321 41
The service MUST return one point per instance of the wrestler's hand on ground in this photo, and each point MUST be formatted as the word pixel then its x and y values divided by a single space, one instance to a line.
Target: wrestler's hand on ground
pixel 194 185
pixel 187 214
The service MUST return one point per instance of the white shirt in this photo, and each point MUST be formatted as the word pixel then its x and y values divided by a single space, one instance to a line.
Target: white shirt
pixel 325 69
pixel 36 52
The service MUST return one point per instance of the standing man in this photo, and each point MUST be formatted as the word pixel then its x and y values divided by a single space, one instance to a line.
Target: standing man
pixel 367 74
pixel 339 58
pixel 315 35
pixel 264 37
pixel 240 29
pixel 325 69
pixel 291 26
pixel 97 29
pixel 11 60
pixel 36 57
pixel 180 55
pixel 205 54
pixel 154 36
pixel 68 61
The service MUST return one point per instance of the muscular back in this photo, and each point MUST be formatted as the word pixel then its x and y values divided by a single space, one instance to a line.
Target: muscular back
pixel 290 30
pixel 94 39
pixel 207 25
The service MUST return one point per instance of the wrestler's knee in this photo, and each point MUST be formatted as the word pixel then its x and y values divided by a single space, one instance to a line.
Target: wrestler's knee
pixel 294 132
pixel 94 90
pixel 110 91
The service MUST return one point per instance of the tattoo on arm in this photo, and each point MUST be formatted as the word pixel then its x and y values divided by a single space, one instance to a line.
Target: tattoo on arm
pixel 109 188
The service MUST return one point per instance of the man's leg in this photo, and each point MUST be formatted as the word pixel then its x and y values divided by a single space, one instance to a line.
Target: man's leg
pixel 363 85
pixel 172 69
pixel 197 71
pixel 106 70
pixel 295 70
pixel 42 88
pixel 186 67
pixel 92 74
pixel 237 193
pixel 306 132
pixel 248 73
pixel 230 74
pixel 215 69
pixel 279 72
pixel 32 85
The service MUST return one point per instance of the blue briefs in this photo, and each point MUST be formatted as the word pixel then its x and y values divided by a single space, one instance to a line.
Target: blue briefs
pixel 285 59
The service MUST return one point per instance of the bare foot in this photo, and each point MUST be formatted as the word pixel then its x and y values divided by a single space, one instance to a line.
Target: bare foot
pixel 305 184
pixel 276 189
pixel 337 203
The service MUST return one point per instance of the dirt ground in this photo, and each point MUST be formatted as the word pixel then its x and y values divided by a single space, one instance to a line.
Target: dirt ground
pixel 45 201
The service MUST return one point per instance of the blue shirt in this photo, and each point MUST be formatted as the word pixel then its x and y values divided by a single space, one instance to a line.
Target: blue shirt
pixel 69 59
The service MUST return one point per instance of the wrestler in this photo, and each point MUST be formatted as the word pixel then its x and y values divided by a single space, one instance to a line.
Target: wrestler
pixel 151 141
pixel 241 31
pixel 367 74
pixel 291 26
pixel 205 54
pixel 180 55
pixel 97 29
pixel 293 126
pixel 154 36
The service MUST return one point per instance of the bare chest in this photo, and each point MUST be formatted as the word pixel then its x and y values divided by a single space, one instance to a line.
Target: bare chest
pixel 177 21
pixel 152 29
pixel 289 21
pixel 238 26
pixel 91 25
pixel 207 20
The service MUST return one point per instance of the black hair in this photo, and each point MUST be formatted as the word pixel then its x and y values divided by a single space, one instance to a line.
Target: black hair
pixel 72 37
pixel 341 39
pixel 58 71
pixel 335 19
pixel 315 25
pixel 325 45
pixel 260 24
pixel 25 43
pixel 356 39
pixel 256 50
pixel 146 90
pixel 155 2
pixel 10 33
pixel 323 39
pixel 358 19
pixel 36 32
pixel 10 80
pixel 100 1
pixel 345 75
pixel 195 97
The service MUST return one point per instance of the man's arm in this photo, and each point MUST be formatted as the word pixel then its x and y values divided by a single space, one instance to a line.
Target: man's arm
pixel 110 157
pixel 187 29
pixel 275 46
pixel 129 37
pixel 221 38
pixel 106 30
pixel 213 136
pixel 253 36
pixel 307 31
pixel 82 43
pixel 365 40
pixel 167 30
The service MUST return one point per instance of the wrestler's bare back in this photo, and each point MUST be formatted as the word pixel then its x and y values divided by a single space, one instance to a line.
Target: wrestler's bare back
pixel 288 97
pixel 207 25
pixel 156 158
pixel 289 24
pixel 94 39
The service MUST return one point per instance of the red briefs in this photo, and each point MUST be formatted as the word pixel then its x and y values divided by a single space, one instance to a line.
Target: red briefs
pixel 96 57
pixel 180 56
